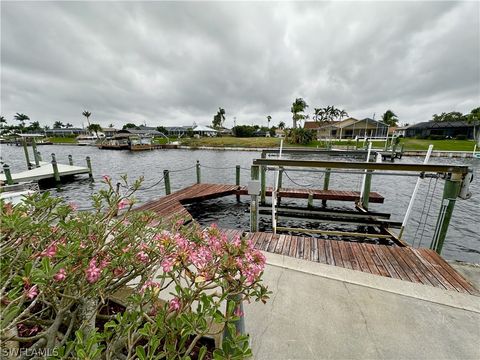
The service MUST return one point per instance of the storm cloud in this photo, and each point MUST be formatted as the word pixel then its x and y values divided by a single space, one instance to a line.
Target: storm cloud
pixel 175 63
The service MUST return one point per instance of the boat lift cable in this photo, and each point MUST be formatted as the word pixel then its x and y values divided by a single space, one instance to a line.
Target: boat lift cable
pixel 428 212
pixel 333 171
pixel 422 213
pixel 302 186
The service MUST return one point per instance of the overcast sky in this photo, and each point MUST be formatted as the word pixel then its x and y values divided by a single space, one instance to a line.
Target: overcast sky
pixel 176 63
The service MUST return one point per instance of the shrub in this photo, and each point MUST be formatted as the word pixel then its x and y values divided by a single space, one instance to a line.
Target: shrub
pixel 300 136
pixel 461 137
pixel 436 137
pixel 60 269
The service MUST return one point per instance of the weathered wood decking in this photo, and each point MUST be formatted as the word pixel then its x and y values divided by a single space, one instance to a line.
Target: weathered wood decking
pixel 423 266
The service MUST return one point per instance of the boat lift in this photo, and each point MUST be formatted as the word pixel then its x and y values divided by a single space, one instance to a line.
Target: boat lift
pixel 457 180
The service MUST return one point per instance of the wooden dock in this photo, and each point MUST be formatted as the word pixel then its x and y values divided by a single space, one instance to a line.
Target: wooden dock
pixel 396 261
pixel 44 172
pixel 423 266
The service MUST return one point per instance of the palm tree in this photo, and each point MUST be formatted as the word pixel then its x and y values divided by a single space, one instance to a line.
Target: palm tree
pixel 390 118
pixel 110 125
pixel 281 125
pixel 268 120
pixel 94 128
pixel 2 120
pixel 22 118
pixel 298 107
pixel 68 125
pixel 219 118
pixel 58 125
pixel 87 115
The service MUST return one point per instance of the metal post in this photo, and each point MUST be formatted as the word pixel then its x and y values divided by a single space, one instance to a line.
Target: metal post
pixel 255 170
pixel 39 156
pixel 35 153
pixel 326 183
pixel 166 178
pixel 56 174
pixel 237 179
pixel 356 142
pixel 366 189
pixel 70 160
pixel 263 173
pixel 450 193
pixel 238 309
pixel 89 165
pixel 198 172
pixel 27 157
pixel 8 174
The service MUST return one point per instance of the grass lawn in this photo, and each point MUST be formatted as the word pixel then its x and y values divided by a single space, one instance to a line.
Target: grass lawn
pixel 446 145
pixel 263 142
pixel 62 140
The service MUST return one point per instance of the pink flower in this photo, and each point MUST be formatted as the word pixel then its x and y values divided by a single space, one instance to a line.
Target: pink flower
pixel 174 304
pixel 238 312
pixel 142 256
pixel 127 248
pixel 93 272
pixel 167 264
pixel 123 204
pixel 61 275
pixel 149 285
pixel 106 178
pixel 32 292
pixel 73 206
pixel 180 222
pixel 49 252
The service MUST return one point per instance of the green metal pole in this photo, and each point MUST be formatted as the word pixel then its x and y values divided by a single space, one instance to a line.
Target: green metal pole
pixel 27 157
pixel 8 174
pixel 198 172
pixel 237 179
pixel 366 189
pixel 254 174
pixel 450 193
pixel 70 160
pixel 35 153
pixel 263 173
pixel 39 154
pixel 89 165
pixel 326 183
pixel 166 177
pixel 56 174
pixel 356 143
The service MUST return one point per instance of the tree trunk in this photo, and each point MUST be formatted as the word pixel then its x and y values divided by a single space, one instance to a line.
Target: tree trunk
pixel 87 315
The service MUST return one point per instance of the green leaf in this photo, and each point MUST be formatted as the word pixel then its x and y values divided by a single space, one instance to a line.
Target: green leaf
pixel 202 352
pixel 140 351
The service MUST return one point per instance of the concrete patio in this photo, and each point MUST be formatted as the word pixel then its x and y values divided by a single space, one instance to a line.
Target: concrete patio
pixel 319 311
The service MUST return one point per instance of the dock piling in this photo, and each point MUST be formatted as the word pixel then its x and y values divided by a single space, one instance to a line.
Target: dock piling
pixel 39 155
pixel 70 160
pixel 198 172
pixel 366 189
pixel 89 166
pixel 451 190
pixel 27 157
pixel 237 179
pixel 166 178
pixel 326 183
pixel 263 175
pixel 280 177
pixel 310 201
pixel 56 174
pixel 35 153
pixel 8 174
pixel 254 174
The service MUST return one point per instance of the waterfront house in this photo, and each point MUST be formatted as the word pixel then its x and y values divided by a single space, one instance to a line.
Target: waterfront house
pixel 204 131
pixel 446 129
pixel 109 132
pixel 349 128
pixel 66 132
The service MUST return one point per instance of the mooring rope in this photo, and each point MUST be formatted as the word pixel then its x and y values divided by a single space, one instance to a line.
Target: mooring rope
pixel 180 170
pixel 302 186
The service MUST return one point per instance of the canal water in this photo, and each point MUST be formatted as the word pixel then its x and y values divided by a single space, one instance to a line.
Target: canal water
pixel 463 239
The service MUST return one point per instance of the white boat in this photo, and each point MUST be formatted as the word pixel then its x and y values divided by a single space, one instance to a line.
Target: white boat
pixel 84 140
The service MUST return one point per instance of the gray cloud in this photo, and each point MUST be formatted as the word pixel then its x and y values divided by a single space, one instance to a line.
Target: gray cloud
pixel 175 63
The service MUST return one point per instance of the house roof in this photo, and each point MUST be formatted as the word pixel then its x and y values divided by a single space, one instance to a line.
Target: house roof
pixel 311 125
pixel 140 132
pixel 111 129
pixel 443 124
pixel 203 128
